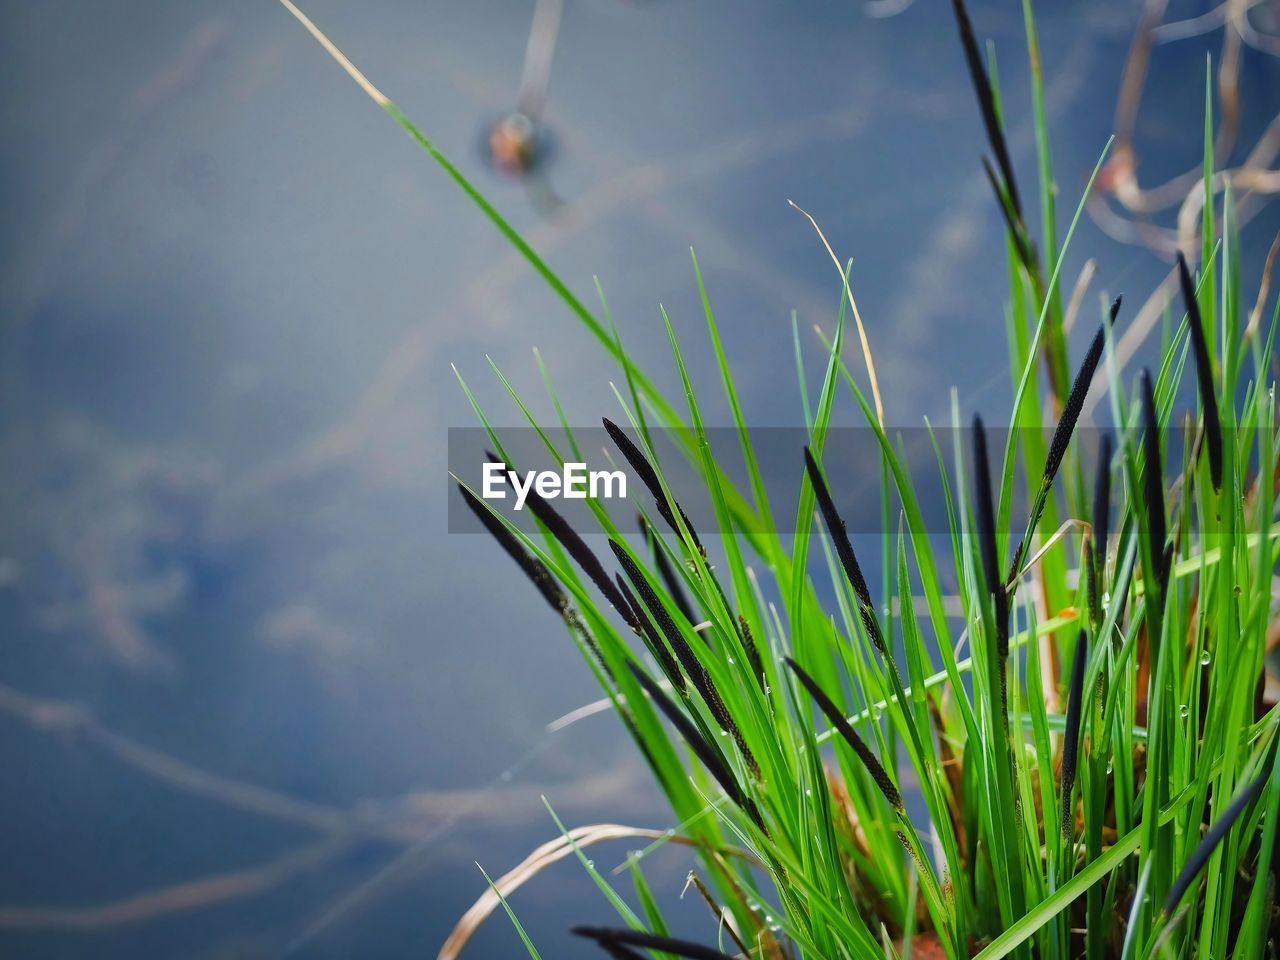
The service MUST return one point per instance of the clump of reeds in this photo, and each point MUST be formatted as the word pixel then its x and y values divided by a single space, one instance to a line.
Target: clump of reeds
pixel 1084 745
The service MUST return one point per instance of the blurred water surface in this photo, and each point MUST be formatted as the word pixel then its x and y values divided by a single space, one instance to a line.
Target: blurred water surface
pixel 232 291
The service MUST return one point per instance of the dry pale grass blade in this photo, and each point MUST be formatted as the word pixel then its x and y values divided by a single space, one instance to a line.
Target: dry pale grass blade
pixel 376 95
pixel 544 856
pixel 1062 531
pixel 1264 289
pixel 1087 273
pixel 862 331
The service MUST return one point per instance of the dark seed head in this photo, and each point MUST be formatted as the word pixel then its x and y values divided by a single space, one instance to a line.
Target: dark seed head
pixel 577 548
pixel 707 753
pixel 1214 836
pixel 668 575
pixel 841 724
pixel 649 477
pixel 986 518
pixel 650 941
pixel 651 639
pixel 844 550
pixel 698 674
pixel 531 566
pixel 1071 737
pixel 1153 478
pixel 1065 429
pixel 987 104
pixel 1204 374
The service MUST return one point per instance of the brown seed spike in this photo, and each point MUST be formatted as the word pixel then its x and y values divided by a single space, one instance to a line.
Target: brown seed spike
pixel 838 721
pixel 1204 374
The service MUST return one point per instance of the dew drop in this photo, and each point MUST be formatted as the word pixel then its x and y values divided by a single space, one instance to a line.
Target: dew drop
pixel 1184 711
pixel 730 661
pixel 1205 658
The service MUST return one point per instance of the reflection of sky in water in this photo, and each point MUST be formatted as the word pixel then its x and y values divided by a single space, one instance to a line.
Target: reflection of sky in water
pixel 232 290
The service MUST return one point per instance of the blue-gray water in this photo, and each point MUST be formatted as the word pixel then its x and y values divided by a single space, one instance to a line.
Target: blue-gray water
pixel 232 291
